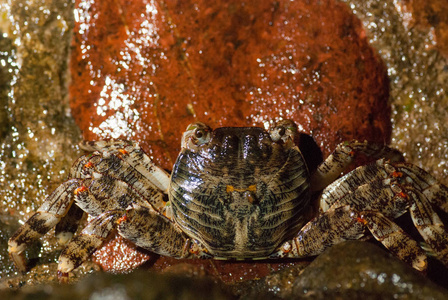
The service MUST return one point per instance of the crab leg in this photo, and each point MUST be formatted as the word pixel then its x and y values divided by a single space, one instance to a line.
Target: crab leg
pixel 369 176
pixel 156 233
pixel 145 227
pixel 322 232
pixel 354 202
pixel 343 156
pixel 394 238
pixel 127 162
pixel 133 155
pixel 122 160
pixel 84 244
pixel 343 223
pixel 435 192
pixel 46 217
pixel 429 226
pixel 67 226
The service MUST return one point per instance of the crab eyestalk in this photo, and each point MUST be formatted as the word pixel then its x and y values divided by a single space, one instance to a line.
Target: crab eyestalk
pixel 284 131
pixel 196 134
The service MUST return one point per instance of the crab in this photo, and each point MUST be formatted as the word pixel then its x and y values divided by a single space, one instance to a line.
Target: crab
pixel 239 193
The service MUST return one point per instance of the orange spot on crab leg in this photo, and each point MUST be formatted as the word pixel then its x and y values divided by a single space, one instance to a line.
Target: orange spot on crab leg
pixel 123 151
pixel 229 189
pixel 88 165
pixel 122 219
pixel 80 190
pixel 397 174
pixel 403 195
pixel 252 188
pixel 361 220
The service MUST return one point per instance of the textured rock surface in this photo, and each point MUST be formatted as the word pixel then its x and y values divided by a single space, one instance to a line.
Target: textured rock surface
pixel 226 64
pixel 353 269
pixel 137 285
pixel 38 137
pixel 418 77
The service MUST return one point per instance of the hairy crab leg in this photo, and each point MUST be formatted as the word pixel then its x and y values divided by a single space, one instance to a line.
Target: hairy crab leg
pixel 358 186
pixel 67 226
pixel 435 192
pixel 423 192
pixel 360 196
pixel 114 171
pixel 156 233
pixel 429 226
pixel 117 200
pixel 344 223
pixel 47 216
pixel 389 188
pixel 134 156
pixel 394 239
pixel 123 164
pixel 145 227
pixel 83 245
pixel 343 157
pixel 124 161
pixel 322 232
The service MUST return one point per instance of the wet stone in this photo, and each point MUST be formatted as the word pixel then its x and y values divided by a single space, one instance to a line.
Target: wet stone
pixel 136 285
pixel 418 76
pixel 38 137
pixel 8 225
pixel 225 64
pixel 430 15
pixel 360 269
pixel 354 269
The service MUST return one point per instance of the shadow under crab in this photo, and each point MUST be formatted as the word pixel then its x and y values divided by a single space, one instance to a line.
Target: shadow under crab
pixel 239 193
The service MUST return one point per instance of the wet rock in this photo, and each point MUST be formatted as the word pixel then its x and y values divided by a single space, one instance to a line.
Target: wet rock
pixel 136 285
pixel 226 64
pixel 430 15
pixel 38 137
pixel 418 79
pixel 229 272
pixel 363 270
pixel 5 79
pixel 354 269
pixel 8 224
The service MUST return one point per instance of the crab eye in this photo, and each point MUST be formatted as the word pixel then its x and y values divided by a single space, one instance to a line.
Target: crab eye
pixel 199 133
pixel 283 131
pixel 196 134
pixel 201 136
pixel 277 133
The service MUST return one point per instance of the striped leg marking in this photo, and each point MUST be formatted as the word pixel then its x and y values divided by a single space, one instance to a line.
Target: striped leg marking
pixel 156 233
pixel 394 239
pixel 342 158
pixel 343 223
pixel 46 217
pixel 90 239
pixel 429 226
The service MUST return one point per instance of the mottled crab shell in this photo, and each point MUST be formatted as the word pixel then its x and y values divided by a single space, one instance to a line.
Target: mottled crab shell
pixel 239 192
